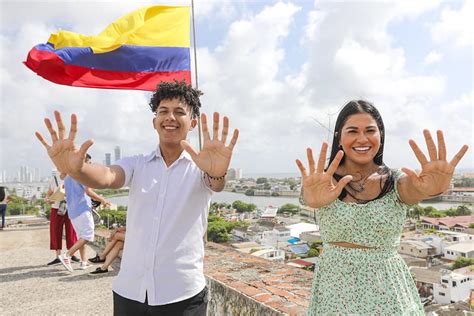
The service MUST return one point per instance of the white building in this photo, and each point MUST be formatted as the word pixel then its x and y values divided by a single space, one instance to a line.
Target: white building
pixel 455 285
pixel 444 239
pixel 269 213
pixel 463 249
pixel 117 153
pixel 270 254
pixel 416 248
pixel 299 228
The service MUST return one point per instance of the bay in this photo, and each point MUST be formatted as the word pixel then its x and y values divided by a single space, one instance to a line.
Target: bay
pixel 264 201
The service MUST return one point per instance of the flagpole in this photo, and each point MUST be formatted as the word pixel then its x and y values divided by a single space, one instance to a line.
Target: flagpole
pixel 196 82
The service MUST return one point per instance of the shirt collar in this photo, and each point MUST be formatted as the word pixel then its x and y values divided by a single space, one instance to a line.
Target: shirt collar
pixel 157 154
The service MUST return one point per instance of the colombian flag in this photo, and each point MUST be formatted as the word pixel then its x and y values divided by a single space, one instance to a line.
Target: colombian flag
pixel 135 52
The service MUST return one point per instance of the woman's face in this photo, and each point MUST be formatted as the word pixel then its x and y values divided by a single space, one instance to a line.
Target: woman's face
pixel 360 138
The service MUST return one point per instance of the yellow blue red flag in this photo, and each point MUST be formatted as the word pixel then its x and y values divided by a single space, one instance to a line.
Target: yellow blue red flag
pixel 136 52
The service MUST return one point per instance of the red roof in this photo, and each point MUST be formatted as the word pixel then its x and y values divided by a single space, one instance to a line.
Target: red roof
pixel 301 262
pixel 450 221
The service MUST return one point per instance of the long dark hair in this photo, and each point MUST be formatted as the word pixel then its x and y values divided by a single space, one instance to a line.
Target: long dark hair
pixel 357 107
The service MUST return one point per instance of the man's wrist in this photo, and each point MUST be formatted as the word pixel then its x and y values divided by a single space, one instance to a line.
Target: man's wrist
pixel 215 178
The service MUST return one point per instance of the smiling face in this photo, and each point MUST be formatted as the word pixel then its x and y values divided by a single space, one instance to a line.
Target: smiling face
pixel 173 121
pixel 360 139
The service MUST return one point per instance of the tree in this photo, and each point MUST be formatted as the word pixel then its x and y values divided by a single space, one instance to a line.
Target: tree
pixel 250 192
pixel 415 211
pixel 288 208
pixel 471 225
pixel 313 252
pixel 429 210
pixel 262 180
pixel 462 262
pixel 463 210
pixel 243 207
pixel 217 231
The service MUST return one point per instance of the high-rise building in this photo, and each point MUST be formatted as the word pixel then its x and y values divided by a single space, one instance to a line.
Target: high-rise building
pixel 118 155
pixel 108 159
pixel 239 173
pixel 231 174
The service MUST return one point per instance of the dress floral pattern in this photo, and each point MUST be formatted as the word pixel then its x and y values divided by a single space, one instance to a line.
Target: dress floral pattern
pixel 356 281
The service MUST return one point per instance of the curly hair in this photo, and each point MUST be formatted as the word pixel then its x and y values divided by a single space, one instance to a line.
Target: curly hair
pixel 180 90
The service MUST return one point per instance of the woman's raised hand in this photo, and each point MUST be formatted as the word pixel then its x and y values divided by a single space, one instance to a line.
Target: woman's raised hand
pixel 319 186
pixel 436 173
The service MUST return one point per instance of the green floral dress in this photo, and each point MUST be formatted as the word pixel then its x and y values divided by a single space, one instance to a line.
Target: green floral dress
pixel 359 281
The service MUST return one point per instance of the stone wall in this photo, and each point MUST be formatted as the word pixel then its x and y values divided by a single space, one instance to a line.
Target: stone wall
pixel 241 284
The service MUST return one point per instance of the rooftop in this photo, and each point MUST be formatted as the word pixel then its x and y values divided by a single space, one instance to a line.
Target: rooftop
pixel 462 247
pixel 450 221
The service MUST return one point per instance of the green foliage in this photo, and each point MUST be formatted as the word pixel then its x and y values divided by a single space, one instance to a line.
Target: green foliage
pixel 18 206
pixel 244 207
pixel 262 180
pixel 312 252
pixel 316 244
pixel 416 211
pixel 462 262
pixel 118 216
pixel 112 192
pixel 464 183
pixel 288 208
pixel 215 206
pixel 47 212
pixel 267 186
pixel 275 194
pixel 217 232
pixel 218 229
pixel 250 192
pixel 471 225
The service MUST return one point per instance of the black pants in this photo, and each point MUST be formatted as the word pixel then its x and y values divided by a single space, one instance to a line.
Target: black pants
pixel 3 210
pixel 194 306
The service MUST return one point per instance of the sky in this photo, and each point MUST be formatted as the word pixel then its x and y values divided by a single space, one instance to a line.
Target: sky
pixel 275 68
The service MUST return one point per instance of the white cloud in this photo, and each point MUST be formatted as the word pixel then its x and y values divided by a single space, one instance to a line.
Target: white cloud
pixel 433 58
pixel 455 26
pixel 349 53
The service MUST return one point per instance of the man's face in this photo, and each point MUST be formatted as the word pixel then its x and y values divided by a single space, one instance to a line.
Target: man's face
pixel 173 121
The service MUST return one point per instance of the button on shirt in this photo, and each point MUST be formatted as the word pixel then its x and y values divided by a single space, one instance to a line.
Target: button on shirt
pixel 166 221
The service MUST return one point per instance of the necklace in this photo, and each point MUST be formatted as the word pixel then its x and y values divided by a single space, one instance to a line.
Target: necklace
pixel 359 185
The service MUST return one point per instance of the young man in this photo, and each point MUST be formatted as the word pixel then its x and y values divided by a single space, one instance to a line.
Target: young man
pixel 79 205
pixel 170 191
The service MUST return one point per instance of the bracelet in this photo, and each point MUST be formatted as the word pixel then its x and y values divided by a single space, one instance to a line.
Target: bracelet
pixel 215 178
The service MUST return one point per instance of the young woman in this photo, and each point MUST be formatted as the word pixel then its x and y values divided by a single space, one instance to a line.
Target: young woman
pixel 361 206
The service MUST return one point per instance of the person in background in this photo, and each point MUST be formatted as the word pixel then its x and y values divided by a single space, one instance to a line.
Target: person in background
pixel 110 252
pixel 3 205
pixel 79 205
pixel 58 223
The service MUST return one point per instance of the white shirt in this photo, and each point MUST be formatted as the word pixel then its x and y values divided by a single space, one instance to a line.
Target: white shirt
pixel 166 221
pixel 54 187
